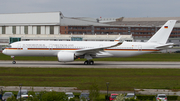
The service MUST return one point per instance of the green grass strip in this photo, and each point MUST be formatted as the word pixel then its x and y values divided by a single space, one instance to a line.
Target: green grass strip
pixel 82 78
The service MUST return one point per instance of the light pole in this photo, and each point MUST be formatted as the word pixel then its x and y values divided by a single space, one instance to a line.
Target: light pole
pixel 107 84
pixel 1 93
pixel 20 85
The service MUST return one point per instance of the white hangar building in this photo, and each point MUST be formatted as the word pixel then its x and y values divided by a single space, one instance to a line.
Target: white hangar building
pixel 30 23
pixel 27 26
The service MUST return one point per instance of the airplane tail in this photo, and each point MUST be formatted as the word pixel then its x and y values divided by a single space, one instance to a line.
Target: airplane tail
pixel 162 35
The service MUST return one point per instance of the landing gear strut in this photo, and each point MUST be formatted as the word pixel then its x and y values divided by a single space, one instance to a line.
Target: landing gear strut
pixel 14 62
pixel 89 62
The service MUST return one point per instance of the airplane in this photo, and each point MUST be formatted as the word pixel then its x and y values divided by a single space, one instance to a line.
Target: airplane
pixel 68 51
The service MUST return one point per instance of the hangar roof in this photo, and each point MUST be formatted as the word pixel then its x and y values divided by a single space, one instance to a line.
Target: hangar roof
pixel 152 19
pixel 30 18
pixel 143 22
pixel 148 21
pixel 56 18
pixel 65 21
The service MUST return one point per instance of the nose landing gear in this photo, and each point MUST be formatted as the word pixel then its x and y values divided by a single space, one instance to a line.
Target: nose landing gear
pixel 14 62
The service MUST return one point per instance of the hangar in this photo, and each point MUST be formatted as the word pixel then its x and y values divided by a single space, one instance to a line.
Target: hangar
pixel 55 26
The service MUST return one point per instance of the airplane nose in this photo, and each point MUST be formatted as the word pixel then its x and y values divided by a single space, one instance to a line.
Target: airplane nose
pixel 4 51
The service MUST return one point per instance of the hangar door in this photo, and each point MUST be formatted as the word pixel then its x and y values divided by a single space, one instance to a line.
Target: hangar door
pixel 13 39
pixel 76 39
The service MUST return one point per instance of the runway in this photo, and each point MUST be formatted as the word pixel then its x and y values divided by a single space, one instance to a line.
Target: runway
pixel 98 64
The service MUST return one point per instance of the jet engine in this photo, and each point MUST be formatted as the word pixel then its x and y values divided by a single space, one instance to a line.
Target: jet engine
pixel 65 57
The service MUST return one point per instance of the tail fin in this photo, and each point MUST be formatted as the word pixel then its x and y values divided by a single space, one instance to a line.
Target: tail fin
pixel 162 35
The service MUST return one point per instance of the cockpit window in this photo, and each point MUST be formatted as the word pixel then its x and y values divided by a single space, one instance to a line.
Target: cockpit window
pixel 4 47
pixel 9 46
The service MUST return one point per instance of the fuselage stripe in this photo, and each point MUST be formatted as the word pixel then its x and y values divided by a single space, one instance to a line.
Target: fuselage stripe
pixel 80 49
pixel 14 48
pixel 131 50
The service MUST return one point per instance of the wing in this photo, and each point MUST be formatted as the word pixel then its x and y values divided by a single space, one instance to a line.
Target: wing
pixel 93 51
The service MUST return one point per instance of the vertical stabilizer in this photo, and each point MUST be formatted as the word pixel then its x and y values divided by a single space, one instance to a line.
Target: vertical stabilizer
pixel 162 35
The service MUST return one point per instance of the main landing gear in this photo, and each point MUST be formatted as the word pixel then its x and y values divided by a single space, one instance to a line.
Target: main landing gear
pixel 14 62
pixel 89 62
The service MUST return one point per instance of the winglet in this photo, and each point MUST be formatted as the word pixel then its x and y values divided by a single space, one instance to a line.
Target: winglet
pixel 117 39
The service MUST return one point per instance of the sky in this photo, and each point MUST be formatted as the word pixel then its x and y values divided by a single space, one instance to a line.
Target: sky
pixel 95 8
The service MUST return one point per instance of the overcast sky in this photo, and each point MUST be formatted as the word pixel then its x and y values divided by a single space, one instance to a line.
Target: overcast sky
pixel 96 8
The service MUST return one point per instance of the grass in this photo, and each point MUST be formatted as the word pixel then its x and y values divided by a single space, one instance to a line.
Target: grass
pixel 82 78
pixel 145 57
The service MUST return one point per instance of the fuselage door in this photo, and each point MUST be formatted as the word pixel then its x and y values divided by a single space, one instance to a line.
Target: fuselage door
pixel 139 48
pixel 50 46
pixel 19 46
pixel 24 47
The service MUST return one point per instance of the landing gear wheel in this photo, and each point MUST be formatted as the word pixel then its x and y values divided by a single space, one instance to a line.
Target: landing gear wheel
pixel 14 62
pixel 86 62
pixel 90 62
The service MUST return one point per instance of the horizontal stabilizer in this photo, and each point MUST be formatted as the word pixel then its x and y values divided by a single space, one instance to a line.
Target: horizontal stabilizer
pixel 169 45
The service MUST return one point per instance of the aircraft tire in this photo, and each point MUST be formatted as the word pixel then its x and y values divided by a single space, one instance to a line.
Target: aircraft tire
pixel 86 62
pixel 91 62
pixel 14 62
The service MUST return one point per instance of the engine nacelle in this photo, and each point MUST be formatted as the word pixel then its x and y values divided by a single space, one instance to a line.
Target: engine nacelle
pixel 65 56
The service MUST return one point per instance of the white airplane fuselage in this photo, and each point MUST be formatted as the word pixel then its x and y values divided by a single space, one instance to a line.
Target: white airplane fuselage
pixel 51 48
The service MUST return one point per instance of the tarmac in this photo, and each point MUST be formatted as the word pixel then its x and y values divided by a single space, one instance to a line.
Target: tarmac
pixel 98 64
